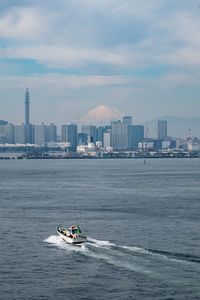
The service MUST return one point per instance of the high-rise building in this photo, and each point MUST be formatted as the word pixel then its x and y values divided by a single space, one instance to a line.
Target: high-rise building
pixel 10 134
pixel 82 139
pixel 27 103
pixel 162 129
pixel 40 135
pixel 69 134
pixel 91 131
pixel 45 133
pixel 20 134
pixel 31 134
pixel 2 134
pixel 137 135
pixel 127 120
pixel 118 122
pixel 106 138
pixel 120 136
pixel 100 131
pixel 51 133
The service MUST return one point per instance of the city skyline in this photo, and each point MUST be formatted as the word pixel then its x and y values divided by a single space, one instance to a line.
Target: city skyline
pixel 103 115
pixel 140 57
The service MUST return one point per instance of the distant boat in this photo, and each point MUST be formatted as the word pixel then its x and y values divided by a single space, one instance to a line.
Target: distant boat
pixel 71 235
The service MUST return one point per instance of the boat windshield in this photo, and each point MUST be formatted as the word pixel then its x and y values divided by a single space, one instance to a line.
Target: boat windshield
pixel 74 229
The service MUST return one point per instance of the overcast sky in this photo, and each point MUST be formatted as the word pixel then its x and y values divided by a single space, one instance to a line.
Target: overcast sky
pixel 140 56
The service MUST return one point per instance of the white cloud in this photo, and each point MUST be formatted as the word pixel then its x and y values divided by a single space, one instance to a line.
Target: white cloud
pixel 59 82
pixel 78 33
pixel 22 24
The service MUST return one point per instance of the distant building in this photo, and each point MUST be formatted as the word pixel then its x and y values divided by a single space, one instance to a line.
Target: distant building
pixel 32 134
pixel 40 135
pixel 2 122
pixel 82 139
pixel 118 122
pixel 194 144
pixel 106 138
pixel 45 133
pixel 127 120
pixel 100 131
pixel 2 134
pixel 10 134
pixel 20 134
pixel 146 145
pixel 2 130
pixel 69 134
pixel 50 133
pixel 120 136
pixel 137 135
pixel 162 129
pixel 91 131
pixel 2 139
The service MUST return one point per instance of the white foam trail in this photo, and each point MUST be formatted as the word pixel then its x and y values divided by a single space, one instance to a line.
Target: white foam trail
pixel 53 239
pixel 109 258
pixel 99 242
pixel 107 243
pixel 135 249
pixel 58 242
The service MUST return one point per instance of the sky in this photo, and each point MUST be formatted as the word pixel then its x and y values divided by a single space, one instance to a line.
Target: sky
pixel 140 56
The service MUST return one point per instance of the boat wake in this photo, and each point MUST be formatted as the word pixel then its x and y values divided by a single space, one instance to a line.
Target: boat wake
pixel 135 259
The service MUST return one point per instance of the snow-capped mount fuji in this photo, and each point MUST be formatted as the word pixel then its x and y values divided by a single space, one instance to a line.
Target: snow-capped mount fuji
pixel 101 115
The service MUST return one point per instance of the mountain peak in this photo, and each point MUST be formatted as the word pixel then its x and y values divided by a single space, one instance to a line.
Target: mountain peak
pixel 101 115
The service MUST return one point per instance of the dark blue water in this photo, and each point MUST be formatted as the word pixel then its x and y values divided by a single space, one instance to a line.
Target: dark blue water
pixel 142 223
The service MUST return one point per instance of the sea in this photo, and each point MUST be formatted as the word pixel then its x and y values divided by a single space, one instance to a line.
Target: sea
pixel 142 222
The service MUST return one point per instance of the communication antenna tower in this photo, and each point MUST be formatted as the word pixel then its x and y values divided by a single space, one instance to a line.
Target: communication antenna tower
pixel 188 134
pixel 146 132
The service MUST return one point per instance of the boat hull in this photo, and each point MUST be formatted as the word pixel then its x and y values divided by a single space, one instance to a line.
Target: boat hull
pixel 74 241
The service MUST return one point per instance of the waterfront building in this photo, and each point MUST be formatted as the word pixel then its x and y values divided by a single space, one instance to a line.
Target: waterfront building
pixel 137 135
pixel 106 138
pixel 82 138
pixel 2 130
pixel 120 136
pixel 2 134
pixel 91 131
pixel 2 139
pixel 162 129
pixel 10 134
pixel 100 131
pixel 50 133
pixel 146 145
pixel 69 134
pixel 32 134
pixel 40 135
pixel 45 133
pixel 20 134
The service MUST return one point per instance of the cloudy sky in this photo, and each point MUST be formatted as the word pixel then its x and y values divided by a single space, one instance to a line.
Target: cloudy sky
pixel 140 56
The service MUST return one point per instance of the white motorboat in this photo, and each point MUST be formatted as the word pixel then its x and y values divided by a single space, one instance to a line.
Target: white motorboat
pixel 71 234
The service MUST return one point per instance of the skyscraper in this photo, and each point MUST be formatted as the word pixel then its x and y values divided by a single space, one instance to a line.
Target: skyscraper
pixel 127 120
pixel 27 102
pixel 91 131
pixel 137 135
pixel 120 136
pixel 162 129
pixel 69 134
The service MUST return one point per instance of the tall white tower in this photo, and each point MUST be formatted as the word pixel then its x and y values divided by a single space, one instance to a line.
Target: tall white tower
pixel 27 103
